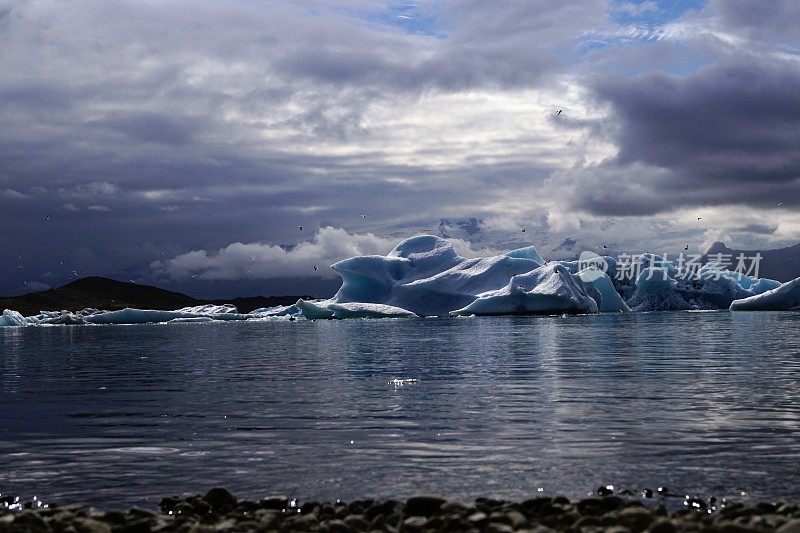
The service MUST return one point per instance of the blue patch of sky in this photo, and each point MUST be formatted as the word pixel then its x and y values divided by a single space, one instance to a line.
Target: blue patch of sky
pixel 413 18
pixel 637 23
pixel 652 13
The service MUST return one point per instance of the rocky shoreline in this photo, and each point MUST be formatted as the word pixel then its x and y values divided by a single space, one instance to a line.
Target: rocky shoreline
pixel 219 510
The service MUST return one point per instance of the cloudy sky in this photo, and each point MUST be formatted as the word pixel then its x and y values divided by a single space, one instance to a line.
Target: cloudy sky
pixel 183 142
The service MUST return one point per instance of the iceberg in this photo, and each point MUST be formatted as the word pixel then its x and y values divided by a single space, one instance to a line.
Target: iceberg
pixel 656 291
pixel 782 298
pixel 423 276
pixel 359 310
pixel 149 316
pixel 607 298
pixel 12 318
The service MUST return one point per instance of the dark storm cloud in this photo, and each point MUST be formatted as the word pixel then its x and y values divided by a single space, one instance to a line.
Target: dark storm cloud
pixel 513 44
pixel 773 20
pixel 150 127
pixel 726 134
pixel 757 228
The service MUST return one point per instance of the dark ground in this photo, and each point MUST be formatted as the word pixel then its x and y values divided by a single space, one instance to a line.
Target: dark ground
pixel 111 295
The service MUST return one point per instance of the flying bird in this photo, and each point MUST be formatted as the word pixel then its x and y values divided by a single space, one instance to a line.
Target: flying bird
pixel 47 216
pixel 559 112
pixel 686 247
pixel 363 216
pixel 699 218
pixel 780 204
pixel 315 268
pixel 524 230
pixel 301 228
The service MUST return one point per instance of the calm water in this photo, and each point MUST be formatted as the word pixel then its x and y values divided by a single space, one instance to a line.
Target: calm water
pixel 705 403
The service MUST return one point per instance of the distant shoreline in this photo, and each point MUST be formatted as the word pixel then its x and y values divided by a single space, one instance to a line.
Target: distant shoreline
pixel 112 295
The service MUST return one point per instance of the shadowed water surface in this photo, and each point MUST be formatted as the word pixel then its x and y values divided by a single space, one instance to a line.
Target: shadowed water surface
pixel 704 403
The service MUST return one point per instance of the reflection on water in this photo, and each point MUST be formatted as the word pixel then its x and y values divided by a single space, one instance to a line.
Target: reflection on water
pixel 703 402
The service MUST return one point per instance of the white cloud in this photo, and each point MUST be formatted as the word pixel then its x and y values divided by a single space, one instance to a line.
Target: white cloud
pixel 12 194
pixel 264 261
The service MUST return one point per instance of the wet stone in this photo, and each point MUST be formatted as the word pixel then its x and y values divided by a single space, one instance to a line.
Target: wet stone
pixel 275 502
pixel 219 497
pixel 635 518
pixel 335 526
pixel 28 522
pixel 663 526
pixel 423 505
pixel 414 523
pixel 792 526
pixel 357 523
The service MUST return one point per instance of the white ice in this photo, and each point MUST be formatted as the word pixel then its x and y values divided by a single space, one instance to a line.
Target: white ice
pixel 782 298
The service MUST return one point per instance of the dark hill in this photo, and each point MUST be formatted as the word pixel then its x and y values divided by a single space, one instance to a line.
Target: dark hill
pixel 109 294
pixel 782 264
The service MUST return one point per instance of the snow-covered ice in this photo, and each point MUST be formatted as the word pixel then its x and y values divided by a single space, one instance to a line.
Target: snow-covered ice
pixel 424 277
pixel 782 298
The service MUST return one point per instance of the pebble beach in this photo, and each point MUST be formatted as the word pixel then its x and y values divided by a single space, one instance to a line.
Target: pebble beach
pixel 219 510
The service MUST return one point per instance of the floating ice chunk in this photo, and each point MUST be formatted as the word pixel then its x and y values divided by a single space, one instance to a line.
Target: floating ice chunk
pixel 783 298
pixel 655 291
pixel 363 310
pixel 135 316
pixel 278 310
pixel 397 382
pixel 527 253
pixel 152 316
pixel 609 301
pixel 315 310
pixel 707 288
pixel 210 309
pixel 63 318
pixel 763 285
pixel 12 318
pixel 549 289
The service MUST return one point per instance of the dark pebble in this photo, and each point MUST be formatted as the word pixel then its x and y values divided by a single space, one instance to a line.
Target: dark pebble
pixel 605 491
pixel 275 502
pixel 218 511
pixel 423 505
pixel 663 526
pixel 219 498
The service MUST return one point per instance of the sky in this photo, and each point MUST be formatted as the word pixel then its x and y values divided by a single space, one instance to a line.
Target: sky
pixel 185 143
